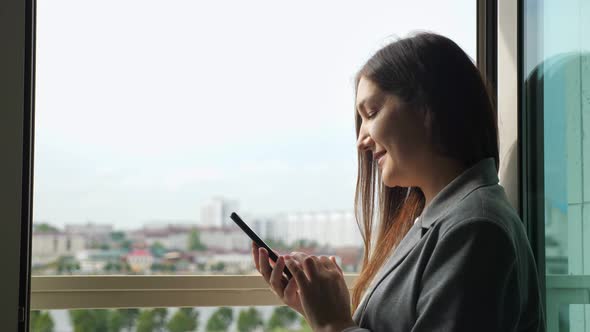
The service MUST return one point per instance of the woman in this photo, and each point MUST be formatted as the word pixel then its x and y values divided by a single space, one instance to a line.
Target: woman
pixel 450 253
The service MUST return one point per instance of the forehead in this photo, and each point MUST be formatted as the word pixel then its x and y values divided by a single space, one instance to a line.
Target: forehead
pixel 366 89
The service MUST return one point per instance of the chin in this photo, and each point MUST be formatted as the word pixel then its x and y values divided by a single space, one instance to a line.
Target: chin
pixel 388 180
pixel 392 178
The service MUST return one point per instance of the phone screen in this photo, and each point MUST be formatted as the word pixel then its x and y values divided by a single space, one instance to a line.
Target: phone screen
pixel 234 216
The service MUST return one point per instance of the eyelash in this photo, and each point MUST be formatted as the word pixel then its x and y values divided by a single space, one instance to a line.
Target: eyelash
pixel 371 115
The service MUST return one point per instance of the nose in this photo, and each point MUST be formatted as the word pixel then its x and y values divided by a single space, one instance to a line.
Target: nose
pixel 364 141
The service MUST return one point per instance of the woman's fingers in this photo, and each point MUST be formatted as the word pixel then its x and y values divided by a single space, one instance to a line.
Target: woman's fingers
pixel 265 268
pixel 255 254
pixel 276 277
pixel 311 266
pixel 291 296
pixel 299 256
pixel 297 272
pixel 326 262
pixel 334 260
pixel 291 289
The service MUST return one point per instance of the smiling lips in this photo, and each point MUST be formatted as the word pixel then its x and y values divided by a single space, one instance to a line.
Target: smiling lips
pixel 378 157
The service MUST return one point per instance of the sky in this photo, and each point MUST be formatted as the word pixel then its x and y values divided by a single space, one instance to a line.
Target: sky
pixel 145 109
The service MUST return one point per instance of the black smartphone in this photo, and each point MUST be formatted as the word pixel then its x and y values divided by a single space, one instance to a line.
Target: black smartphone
pixel 234 216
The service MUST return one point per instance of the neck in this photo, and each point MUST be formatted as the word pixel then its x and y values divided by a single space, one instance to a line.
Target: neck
pixel 440 172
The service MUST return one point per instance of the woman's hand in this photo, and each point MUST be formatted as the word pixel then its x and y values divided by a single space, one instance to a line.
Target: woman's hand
pixel 322 291
pixel 285 289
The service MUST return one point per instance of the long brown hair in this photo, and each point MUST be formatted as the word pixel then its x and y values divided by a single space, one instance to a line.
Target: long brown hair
pixel 427 72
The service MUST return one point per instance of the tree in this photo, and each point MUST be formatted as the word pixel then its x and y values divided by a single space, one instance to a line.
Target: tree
pixel 41 322
pixel 220 320
pixel 145 321
pixel 115 321
pixel 96 320
pixel 160 315
pixel 67 264
pixel 157 249
pixel 33 316
pixel 152 320
pixel 219 266
pixel 184 320
pixel 194 241
pixel 113 267
pixel 282 317
pixel 249 319
pixel 45 228
pixel 128 317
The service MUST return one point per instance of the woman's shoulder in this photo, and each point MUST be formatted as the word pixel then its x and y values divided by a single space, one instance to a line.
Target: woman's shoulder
pixel 484 207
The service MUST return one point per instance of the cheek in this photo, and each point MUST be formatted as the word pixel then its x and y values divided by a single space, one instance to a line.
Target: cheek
pixel 387 135
pixel 381 131
pixel 401 140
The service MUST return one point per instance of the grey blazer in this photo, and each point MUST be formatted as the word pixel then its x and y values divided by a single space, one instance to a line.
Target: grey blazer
pixel 465 265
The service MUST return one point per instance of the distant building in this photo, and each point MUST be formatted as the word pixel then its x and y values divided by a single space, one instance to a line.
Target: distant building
pixel 225 262
pixel 349 258
pixel 230 238
pixel 140 260
pixel 170 236
pixel 95 261
pixel 174 237
pixel 331 228
pixel 95 234
pixel 48 246
pixel 216 212
pixel 264 227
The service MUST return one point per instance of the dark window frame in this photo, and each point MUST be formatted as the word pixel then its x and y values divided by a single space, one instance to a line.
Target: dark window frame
pixel 531 186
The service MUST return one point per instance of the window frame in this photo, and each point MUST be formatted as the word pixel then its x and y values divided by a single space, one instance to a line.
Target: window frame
pixel 16 132
pixel 531 150
pixel 68 292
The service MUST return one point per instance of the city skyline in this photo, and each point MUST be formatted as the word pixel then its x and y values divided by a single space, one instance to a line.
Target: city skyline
pixel 279 217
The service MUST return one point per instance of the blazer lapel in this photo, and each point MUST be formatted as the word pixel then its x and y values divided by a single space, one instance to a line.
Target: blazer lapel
pixel 405 246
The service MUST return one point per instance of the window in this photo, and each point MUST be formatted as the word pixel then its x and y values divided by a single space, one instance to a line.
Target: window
pixel 148 135
pixel 556 81
pixel 151 129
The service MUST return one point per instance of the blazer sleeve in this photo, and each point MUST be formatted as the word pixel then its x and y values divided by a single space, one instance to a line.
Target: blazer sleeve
pixel 470 282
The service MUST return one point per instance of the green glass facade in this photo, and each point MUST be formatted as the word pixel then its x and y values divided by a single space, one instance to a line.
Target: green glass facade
pixel 556 98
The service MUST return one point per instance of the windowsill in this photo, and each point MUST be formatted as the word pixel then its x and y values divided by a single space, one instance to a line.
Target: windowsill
pixel 78 292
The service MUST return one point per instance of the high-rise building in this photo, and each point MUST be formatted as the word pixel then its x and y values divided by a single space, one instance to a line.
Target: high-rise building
pixel 216 211
pixel 333 228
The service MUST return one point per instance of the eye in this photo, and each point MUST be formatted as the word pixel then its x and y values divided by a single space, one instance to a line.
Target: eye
pixel 371 115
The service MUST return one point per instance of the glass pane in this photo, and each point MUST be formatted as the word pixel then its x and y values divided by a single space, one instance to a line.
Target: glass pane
pixel 571 317
pixel 557 90
pixel 214 319
pixel 155 120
